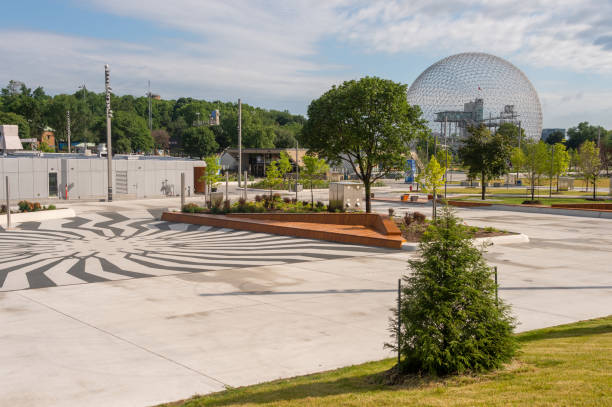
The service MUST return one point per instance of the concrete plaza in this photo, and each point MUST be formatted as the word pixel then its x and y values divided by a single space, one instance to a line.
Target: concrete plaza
pixel 284 306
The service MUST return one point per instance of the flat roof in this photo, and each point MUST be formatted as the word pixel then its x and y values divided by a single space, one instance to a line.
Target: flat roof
pixel 37 154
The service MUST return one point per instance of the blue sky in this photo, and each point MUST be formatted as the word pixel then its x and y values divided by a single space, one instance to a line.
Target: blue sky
pixel 282 54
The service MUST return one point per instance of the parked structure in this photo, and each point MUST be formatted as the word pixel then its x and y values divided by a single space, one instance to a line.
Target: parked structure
pixel 35 176
pixel 255 160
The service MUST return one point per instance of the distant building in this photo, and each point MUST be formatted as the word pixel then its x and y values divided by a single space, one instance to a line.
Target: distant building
pixel 548 132
pixel 9 138
pixel 255 160
pixel 48 137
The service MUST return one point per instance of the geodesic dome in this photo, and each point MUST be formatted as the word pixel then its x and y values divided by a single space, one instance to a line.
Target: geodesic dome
pixel 462 78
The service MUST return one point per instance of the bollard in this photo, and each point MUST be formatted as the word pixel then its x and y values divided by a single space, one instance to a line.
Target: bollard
pixel 399 320
pixel 226 185
pixel 245 185
pixel 8 206
pixel 182 190
pixel 496 295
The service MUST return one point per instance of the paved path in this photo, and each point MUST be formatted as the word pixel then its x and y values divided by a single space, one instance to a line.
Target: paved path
pixel 141 341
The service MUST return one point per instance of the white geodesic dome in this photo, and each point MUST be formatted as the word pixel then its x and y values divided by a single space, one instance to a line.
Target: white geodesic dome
pixel 462 78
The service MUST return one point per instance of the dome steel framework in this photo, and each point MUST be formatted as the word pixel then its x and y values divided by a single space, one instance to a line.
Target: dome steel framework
pixel 454 81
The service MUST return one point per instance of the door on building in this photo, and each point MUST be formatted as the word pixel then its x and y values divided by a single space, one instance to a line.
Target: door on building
pixel 53 184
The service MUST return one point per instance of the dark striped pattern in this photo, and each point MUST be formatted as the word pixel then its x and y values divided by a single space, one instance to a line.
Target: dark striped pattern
pixel 113 246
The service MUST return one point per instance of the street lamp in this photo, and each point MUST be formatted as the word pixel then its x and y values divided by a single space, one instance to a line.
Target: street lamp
pixel 109 147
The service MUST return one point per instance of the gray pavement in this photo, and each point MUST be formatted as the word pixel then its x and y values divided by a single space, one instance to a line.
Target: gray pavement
pixel 142 340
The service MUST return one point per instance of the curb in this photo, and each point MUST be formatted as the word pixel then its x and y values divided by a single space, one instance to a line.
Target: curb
pixel 38 216
pixel 501 240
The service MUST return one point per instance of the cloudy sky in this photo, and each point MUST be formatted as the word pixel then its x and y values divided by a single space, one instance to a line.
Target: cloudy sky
pixel 282 54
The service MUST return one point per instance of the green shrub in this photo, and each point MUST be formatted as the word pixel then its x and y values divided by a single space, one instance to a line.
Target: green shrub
pixel 450 322
pixel 192 208
pixel 51 207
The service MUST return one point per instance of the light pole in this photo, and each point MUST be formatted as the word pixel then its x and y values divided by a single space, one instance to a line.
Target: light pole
pixel 240 143
pixel 109 147
pixel 446 158
pixel 297 169
pixel 68 129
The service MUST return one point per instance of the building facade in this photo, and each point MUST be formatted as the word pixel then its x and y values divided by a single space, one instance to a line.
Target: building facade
pixel 49 177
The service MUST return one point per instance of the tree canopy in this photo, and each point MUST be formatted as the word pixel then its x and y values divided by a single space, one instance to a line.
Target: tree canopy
pixel 33 110
pixel 367 123
pixel 487 155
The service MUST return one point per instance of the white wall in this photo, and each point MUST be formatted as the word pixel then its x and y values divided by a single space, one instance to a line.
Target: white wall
pixel 87 177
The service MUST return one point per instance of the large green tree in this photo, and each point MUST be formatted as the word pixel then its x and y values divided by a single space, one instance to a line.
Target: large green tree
pixel 133 130
pixel 199 141
pixel 584 132
pixel 511 132
pixel 555 137
pixel 367 123
pixel 18 120
pixel 485 154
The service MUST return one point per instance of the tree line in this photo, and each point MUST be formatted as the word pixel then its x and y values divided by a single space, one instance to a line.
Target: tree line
pixel 180 125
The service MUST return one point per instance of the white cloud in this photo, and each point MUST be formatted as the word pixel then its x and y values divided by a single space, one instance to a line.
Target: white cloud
pixel 269 51
pixel 571 34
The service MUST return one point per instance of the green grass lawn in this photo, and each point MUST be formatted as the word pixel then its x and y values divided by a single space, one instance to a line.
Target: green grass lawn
pixel 568 365
pixel 516 191
pixel 520 199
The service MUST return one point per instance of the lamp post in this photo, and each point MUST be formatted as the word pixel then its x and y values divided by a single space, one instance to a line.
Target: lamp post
pixel 240 143
pixel 109 147
pixel 68 128
pixel 297 169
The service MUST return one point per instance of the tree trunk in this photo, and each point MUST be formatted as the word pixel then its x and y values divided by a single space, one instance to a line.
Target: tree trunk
pixel 434 209
pixel 594 188
pixel 532 188
pixel 483 186
pixel 366 185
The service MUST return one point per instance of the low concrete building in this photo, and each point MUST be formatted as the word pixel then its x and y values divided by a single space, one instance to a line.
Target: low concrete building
pixel 52 176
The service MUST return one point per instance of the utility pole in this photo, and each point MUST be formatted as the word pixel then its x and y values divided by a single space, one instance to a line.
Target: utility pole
pixel 109 147
pixel 68 128
pixel 240 143
pixel 150 113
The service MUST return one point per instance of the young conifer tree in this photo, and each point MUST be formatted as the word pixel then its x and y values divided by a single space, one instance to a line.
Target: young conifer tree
pixel 451 321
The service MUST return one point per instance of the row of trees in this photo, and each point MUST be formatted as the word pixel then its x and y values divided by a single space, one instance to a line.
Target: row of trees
pixel 180 124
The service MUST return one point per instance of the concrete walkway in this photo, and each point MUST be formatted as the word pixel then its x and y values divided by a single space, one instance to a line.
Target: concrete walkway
pixel 143 341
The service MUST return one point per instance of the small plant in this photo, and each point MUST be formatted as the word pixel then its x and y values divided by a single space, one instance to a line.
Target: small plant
pixel 320 205
pixel 391 212
pixel 276 197
pixel 414 218
pixel 258 198
pixel 227 206
pixel 191 208
pixel 51 207
pixel 287 200
pixel 305 204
